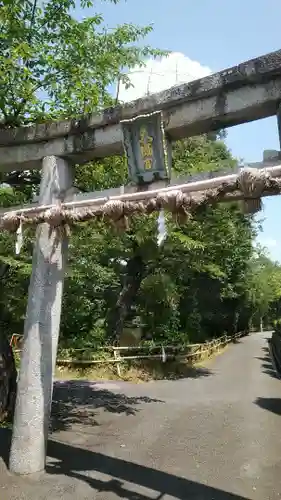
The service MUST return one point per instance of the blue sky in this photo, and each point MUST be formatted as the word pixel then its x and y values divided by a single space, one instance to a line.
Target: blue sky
pixel 218 35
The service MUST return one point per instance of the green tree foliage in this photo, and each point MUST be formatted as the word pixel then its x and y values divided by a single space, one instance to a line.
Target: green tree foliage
pixel 14 272
pixel 192 287
pixel 52 65
pixel 202 281
pixel 264 289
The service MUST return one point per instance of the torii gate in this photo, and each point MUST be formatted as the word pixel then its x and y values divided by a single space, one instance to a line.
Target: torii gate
pixel 249 91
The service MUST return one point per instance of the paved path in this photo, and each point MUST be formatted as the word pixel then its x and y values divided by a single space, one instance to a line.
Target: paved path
pixel 216 436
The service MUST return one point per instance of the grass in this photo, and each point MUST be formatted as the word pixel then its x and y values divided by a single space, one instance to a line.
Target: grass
pixel 141 370
pixel 138 371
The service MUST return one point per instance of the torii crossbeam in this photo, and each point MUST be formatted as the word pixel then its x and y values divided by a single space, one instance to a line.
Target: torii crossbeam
pixel 249 91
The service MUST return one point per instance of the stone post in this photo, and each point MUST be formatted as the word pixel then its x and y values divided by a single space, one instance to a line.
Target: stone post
pixel 41 330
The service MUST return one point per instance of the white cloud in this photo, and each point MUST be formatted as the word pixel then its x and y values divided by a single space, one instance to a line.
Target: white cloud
pixel 160 74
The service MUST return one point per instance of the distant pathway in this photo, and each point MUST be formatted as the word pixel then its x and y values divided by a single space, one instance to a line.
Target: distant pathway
pixel 216 436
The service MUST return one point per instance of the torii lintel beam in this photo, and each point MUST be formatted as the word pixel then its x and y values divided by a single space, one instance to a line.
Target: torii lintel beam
pixel 243 93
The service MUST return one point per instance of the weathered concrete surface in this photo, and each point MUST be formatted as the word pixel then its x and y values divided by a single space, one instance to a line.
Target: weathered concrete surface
pixel 246 92
pixel 212 437
pixel 41 329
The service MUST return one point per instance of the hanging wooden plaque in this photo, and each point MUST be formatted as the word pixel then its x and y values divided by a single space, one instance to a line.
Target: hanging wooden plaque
pixel 145 146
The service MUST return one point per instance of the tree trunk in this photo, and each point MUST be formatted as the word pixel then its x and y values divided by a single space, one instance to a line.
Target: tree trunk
pixel 4 268
pixel 133 279
pixel 8 380
pixel 8 372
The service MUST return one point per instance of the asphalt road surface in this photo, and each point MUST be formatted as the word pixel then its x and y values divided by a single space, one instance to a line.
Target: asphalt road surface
pixel 213 436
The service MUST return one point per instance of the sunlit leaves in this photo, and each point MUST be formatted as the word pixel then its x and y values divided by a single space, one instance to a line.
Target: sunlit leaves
pixel 199 283
pixel 52 65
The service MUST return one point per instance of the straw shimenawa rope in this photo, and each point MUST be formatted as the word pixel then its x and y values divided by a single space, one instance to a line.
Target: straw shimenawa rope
pixel 251 183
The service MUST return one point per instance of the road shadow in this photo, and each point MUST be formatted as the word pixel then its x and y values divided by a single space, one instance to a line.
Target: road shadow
pixel 171 370
pixel 266 363
pixel 77 402
pixel 236 341
pixel 72 461
pixel 5 444
pixel 270 404
pixel 77 463
pixel 178 370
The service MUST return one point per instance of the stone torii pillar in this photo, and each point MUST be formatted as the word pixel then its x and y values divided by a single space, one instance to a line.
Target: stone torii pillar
pixel 41 329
